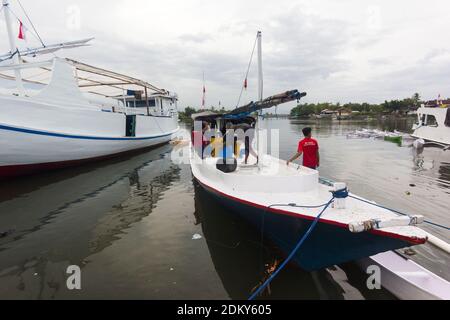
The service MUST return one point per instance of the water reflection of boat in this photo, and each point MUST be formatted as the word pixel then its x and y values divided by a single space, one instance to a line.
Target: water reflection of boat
pixel 240 256
pixel 77 217
pixel 433 162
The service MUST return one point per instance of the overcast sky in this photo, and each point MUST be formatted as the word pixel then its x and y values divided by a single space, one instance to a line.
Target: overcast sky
pixel 336 51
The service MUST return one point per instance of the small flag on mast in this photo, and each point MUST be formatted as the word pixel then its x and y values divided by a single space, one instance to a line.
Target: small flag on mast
pixel 203 98
pixel 22 30
pixel 245 84
pixel 204 93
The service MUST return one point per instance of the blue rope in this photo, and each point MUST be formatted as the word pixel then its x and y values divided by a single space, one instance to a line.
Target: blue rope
pixel 294 251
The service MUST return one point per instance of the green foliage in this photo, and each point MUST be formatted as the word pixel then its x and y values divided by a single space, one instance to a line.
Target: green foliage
pixel 186 115
pixel 394 106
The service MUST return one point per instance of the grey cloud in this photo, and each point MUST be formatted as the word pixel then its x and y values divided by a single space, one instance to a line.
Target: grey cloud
pixel 195 38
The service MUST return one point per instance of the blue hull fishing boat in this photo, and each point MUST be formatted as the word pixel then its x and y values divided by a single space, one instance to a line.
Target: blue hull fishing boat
pixel 291 203
pixel 331 243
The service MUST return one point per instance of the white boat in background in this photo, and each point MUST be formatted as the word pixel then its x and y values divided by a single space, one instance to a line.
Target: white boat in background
pixel 63 112
pixel 433 124
pixel 406 279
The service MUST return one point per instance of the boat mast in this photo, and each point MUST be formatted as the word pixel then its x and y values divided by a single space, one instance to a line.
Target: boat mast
pixel 260 98
pixel 260 73
pixel 13 47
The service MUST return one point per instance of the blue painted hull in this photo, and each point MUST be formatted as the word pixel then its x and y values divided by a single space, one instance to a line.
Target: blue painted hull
pixel 328 244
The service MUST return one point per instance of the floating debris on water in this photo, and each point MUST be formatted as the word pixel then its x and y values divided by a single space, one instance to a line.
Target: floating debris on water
pixel 6 233
pixel 196 237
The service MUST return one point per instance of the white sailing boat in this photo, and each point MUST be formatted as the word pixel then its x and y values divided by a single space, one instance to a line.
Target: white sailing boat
pixel 77 113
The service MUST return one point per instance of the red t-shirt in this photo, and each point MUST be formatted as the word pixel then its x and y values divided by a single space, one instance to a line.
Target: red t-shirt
pixel 309 147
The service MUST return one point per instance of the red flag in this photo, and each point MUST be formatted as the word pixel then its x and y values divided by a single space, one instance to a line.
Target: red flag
pixel 245 84
pixel 22 30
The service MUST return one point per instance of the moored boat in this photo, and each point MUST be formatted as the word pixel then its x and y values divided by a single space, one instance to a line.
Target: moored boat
pixel 433 124
pixel 288 202
pixel 406 279
pixel 78 113
pixel 273 199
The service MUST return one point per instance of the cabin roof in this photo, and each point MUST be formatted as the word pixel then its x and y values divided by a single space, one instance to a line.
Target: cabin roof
pixel 90 79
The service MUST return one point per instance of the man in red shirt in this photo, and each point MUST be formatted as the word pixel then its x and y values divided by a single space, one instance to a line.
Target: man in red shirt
pixel 309 148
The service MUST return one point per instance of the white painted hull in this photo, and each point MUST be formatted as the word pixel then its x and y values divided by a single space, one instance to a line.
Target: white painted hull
pixel 20 148
pixel 53 135
pixel 406 279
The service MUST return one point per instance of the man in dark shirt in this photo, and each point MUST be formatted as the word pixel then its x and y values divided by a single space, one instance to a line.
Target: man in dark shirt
pixel 309 148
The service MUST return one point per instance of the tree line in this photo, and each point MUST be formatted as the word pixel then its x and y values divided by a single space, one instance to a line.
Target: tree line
pixel 308 109
pixel 387 107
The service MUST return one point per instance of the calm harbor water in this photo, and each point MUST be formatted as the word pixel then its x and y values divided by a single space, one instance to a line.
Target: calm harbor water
pixel 140 228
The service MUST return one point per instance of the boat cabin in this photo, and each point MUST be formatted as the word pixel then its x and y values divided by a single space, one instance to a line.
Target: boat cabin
pixel 433 125
pixel 159 104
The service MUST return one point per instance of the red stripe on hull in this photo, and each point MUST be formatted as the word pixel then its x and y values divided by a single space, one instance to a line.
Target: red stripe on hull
pixel 12 171
pixel 415 241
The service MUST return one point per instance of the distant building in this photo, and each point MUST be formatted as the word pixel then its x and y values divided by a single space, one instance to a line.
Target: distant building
pixel 437 103
pixel 343 114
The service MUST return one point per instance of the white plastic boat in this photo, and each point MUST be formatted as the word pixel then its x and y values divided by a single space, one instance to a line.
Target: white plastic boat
pixel 433 125
pixel 406 279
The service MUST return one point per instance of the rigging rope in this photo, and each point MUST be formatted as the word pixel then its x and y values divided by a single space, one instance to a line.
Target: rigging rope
pixel 36 36
pixel 31 22
pixel 248 71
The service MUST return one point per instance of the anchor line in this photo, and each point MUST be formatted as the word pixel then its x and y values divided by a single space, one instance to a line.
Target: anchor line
pixel 297 247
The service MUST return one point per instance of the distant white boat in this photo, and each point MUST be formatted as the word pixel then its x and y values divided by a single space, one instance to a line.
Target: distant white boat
pixel 433 125
pixel 406 279
pixel 81 113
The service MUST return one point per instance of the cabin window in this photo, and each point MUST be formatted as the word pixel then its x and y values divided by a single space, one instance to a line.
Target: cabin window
pixel 431 121
pixel 141 103
pixel 151 103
